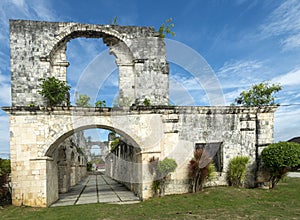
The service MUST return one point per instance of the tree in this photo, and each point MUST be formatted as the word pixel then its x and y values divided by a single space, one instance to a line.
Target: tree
pixel 279 158
pixel 259 95
pixel 83 101
pixel 55 91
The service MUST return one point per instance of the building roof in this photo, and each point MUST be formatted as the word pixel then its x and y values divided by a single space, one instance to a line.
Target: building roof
pixel 295 139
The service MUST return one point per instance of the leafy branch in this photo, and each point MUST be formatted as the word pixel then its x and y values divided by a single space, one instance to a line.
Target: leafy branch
pixel 166 28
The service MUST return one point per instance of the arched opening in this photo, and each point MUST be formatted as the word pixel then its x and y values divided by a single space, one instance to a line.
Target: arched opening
pixel 91 78
pixel 119 160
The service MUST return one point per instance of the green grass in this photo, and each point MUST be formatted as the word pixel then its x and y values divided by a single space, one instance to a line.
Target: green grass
pixel 282 202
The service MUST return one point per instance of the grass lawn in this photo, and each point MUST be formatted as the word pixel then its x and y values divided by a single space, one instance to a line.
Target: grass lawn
pixel 283 202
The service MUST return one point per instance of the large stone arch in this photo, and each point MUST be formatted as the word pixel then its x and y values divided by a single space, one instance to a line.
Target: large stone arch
pixel 39 51
pixel 56 55
pixel 57 140
pixel 64 172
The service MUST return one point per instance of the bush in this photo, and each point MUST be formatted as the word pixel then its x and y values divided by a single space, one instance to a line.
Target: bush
pixel 100 104
pixel 55 91
pixel 212 172
pixel 161 171
pixel 166 166
pixel 89 166
pixel 237 170
pixel 5 195
pixel 279 158
pixel 83 101
pixel 200 169
pixel 147 102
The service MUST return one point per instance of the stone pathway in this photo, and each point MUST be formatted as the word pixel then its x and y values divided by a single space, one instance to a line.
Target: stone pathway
pixel 294 174
pixel 96 188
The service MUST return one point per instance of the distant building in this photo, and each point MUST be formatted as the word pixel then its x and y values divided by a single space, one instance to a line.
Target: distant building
pixel 295 139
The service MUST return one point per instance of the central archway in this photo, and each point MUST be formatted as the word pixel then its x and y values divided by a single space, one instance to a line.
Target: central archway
pixel 118 47
pixel 67 166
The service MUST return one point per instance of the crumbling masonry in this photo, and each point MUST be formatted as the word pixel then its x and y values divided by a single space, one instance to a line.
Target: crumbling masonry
pixel 37 133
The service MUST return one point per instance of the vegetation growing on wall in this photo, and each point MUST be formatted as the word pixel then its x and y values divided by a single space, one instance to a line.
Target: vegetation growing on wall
pixel 55 91
pixel 83 100
pixel 261 94
pixel 279 158
pixel 166 28
pixel 114 144
pixel 237 169
pixel 100 104
pixel 147 102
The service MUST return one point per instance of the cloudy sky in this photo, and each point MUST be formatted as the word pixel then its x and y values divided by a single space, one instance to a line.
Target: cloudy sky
pixel 243 42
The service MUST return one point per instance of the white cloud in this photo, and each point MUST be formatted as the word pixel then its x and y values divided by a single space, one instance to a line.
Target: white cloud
pixel 5 94
pixel 287 123
pixel 4 131
pixel 5 90
pixel 240 67
pixel 284 21
pixel 81 53
pixel 291 78
pixel 21 9
pixel 241 73
pixel 43 10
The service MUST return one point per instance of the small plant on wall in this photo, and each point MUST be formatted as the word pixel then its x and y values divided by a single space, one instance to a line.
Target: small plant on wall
pixel 55 91
pixel 166 28
pixel 161 171
pixel 237 170
pixel 147 102
pixel 100 104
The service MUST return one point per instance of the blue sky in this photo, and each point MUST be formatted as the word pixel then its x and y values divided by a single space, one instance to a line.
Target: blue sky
pixel 243 41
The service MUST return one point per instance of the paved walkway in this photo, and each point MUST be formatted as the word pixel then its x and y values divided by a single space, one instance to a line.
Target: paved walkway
pixel 96 188
pixel 294 174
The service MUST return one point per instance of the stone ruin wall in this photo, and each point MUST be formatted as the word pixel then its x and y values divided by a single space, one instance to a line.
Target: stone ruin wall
pixel 38 50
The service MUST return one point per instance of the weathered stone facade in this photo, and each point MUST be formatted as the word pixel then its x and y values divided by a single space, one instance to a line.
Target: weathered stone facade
pixel 38 50
pixel 38 133
pixel 70 161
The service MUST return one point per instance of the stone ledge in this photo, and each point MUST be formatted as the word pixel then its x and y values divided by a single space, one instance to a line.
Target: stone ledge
pixel 108 111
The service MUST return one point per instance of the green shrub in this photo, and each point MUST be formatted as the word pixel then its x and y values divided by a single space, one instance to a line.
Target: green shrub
pixel 166 166
pixel 114 144
pixel 279 158
pixel 161 171
pixel 55 91
pixel 89 166
pixel 211 171
pixel 5 195
pixel 100 104
pixel 237 170
pixel 4 166
pixel 147 102
pixel 83 100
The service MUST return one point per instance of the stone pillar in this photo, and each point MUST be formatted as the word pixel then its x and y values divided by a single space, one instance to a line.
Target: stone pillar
pixel 126 85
